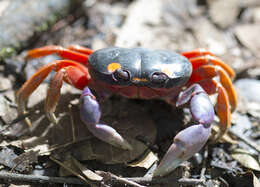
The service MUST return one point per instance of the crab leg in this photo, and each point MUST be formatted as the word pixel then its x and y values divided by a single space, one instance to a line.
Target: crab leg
pixel 70 71
pixel 190 140
pixel 73 53
pixel 80 49
pixel 90 114
pixel 202 57
pixel 197 53
pixel 223 107
pixel 211 71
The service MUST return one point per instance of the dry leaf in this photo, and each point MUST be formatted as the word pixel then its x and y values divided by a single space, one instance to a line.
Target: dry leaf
pixel 246 160
pixel 88 173
pixel 146 162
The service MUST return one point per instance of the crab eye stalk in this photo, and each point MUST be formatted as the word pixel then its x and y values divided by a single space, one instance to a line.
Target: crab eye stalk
pixel 159 78
pixel 121 75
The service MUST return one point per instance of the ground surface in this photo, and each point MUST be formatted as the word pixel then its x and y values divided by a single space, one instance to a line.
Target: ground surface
pixel 228 28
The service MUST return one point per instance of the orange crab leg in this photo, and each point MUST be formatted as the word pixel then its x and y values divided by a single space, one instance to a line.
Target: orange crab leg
pixel 60 51
pixel 223 107
pixel 205 60
pixel 71 75
pixel 80 49
pixel 211 71
pixel 76 74
pixel 202 56
pixel 197 53
pixel 53 95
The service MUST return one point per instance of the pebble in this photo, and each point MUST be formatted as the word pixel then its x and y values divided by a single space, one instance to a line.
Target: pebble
pixel 228 15
pixel 249 89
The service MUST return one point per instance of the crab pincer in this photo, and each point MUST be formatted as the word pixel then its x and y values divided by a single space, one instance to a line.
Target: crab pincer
pixel 190 140
pixel 90 114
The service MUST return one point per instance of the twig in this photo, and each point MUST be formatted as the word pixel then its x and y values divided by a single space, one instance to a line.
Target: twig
pixel 204 168
pixel 62 146
pixel 189 181
pixel 70 180
pixel 246 140
pixel 72 124
pixel 38 179
pixel 205 157
pixel 181 181
pixel 118 179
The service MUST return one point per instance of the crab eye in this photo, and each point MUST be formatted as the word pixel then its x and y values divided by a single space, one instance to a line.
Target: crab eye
pixel 159 78
pixel 121 75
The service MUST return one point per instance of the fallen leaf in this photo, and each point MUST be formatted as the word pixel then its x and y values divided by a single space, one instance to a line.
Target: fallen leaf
pixel 146 162
pixel 27 158
pixel 87 172
pixel 246 160
pixel 8 157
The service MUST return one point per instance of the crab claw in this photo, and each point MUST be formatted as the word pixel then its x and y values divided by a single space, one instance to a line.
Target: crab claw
pixel 201 107
pixel 186 144
pixel 190 140
pixel 90 114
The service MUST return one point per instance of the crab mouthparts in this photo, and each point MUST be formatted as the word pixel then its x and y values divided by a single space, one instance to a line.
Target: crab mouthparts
pixel 136 79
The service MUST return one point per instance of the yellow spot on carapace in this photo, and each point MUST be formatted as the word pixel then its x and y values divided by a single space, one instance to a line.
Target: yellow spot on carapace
pixel 139 80
pixel 167 72
pixel 113 66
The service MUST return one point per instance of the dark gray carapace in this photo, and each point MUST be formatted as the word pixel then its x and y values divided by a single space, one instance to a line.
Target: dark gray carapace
pixel 140 67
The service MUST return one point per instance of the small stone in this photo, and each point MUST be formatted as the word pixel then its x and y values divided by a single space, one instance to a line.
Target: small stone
pixel 249 89
pixel 248 35
pixel 222 13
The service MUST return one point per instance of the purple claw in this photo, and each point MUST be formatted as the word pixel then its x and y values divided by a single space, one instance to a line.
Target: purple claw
pixel 90 114
pixel 186 95
pixel 186 143
pixel 201 107
pixel 192 139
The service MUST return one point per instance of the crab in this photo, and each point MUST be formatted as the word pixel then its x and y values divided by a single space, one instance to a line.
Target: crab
pixel 182 80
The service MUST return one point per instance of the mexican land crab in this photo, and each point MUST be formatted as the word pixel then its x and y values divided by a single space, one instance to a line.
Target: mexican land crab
pixel 179 79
